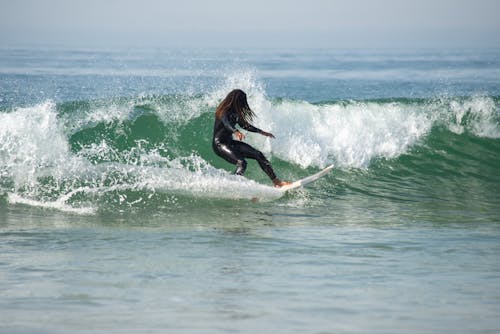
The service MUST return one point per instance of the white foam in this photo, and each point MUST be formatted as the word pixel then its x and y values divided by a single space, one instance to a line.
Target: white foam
pixel 33 146
pixel 30 140
pixel 207 182
pixel 59 204
pixel 351 134
pixel 478 114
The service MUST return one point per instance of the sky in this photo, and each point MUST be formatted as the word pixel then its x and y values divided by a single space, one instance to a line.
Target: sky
pixel 251 23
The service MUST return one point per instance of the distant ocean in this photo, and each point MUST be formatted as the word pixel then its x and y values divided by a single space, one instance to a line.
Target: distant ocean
pixel 116 215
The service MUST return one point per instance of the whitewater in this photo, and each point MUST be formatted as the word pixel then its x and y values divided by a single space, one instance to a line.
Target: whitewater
pixel 113 206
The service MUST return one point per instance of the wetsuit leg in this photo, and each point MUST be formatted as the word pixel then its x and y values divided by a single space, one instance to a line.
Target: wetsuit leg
pixel 237 151
pixel 249 152
pixel 232 155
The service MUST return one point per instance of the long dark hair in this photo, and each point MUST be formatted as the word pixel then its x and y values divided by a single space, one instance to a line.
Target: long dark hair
pixel 237 100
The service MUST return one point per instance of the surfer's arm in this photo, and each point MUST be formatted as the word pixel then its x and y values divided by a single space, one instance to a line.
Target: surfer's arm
pixel 267 134
pixel 251 128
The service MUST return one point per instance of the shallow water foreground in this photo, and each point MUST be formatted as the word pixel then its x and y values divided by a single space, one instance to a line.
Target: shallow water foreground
pixel 254 268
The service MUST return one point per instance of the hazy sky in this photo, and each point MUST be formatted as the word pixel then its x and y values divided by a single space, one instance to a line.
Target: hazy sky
pixel 295 23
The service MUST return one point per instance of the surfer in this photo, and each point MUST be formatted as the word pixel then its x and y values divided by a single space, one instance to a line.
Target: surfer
pixel 234 110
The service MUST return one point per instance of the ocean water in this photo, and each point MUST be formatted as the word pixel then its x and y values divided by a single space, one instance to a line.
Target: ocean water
pixel 116 216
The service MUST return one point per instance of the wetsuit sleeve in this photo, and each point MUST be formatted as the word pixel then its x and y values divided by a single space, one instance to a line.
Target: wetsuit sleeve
pixel 249 127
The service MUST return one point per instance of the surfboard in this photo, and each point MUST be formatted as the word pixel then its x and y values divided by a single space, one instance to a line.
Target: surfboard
pixel 306 180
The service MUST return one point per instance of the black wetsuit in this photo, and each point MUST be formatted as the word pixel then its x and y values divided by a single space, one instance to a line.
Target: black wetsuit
pixel 235 151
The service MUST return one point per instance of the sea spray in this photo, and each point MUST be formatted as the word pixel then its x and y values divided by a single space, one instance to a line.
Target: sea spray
pixel 479 115
pixel 31 141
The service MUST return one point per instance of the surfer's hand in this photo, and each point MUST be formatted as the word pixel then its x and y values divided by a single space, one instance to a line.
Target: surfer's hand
pixel 239 135
pixel 267 134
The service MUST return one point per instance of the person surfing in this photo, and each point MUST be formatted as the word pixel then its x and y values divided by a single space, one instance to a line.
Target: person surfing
pixel 234 109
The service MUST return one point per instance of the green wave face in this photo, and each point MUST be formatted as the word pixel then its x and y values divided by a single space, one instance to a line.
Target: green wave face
pixel 155 152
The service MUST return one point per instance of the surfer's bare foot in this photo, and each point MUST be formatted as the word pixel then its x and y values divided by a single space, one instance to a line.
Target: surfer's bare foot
pixel 278 183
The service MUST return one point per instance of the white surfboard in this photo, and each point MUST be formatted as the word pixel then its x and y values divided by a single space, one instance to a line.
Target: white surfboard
pixel 306 180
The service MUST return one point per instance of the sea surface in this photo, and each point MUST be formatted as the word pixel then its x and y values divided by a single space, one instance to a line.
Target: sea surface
pixel 117 217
